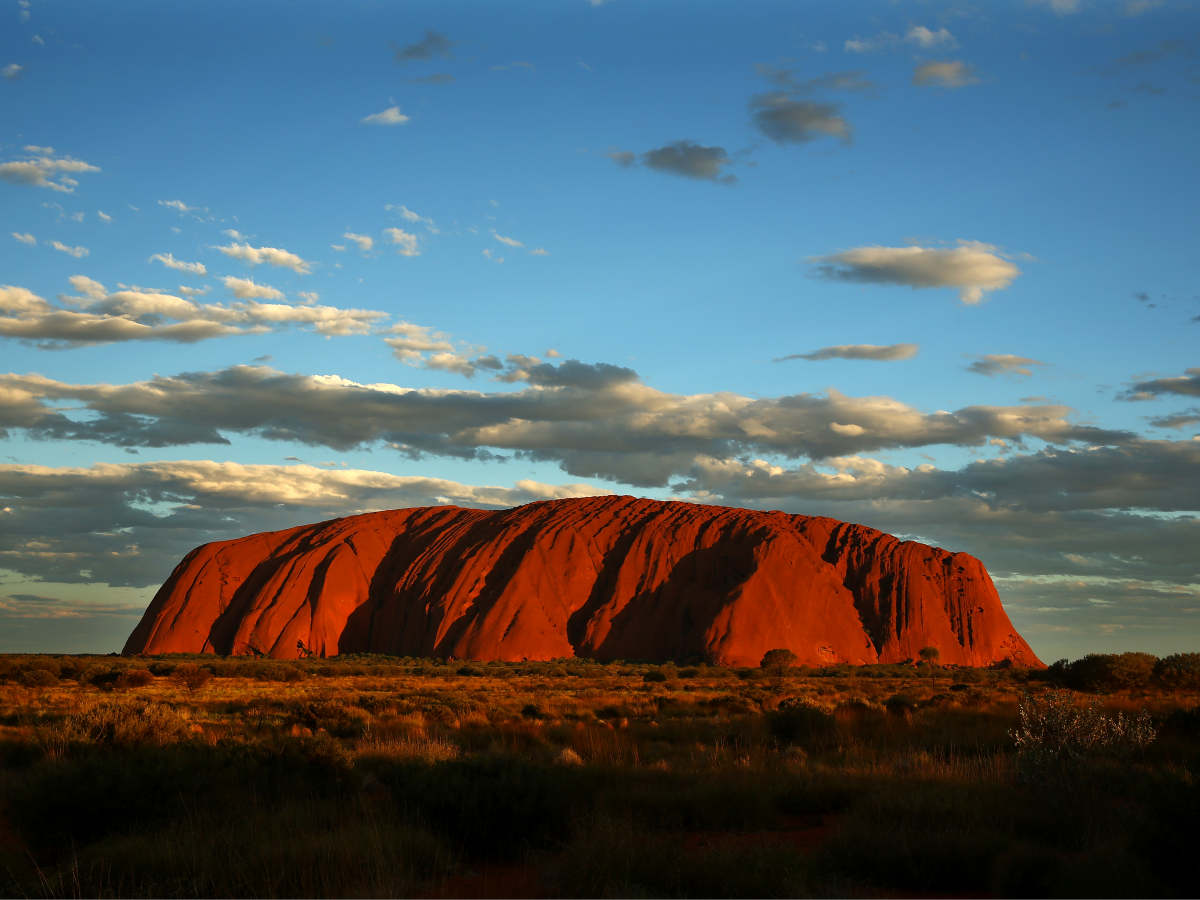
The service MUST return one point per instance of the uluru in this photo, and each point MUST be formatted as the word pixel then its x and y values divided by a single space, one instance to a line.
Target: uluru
pixel 605 578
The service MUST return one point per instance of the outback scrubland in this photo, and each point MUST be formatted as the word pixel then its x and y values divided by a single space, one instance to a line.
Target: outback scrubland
pixel 381 776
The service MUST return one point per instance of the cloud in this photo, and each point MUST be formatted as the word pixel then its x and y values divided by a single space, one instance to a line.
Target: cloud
pixel 597 420
pixel 390 116
pixel 972 267
pixel 96 316
pixel 105 218
pixel 789 121
pixel 1147 56
pixel 178 205
pixel 1186 385
pixel 1134 8
pixel 406 243
pixel 1003 364
pixel 916 36
pixel 507 241
pixel 172 263
pixel 949 74
pixel 887 353
pixel 36 171
pixel 246 288
pixel 1061 7
pixel 539 251
pixel 854 81
pixel 76 252
pixel 364 242
pixel 435 78
pixel 11 72
pixel 690 160
pixel 25 238
pixel 1184 419
pixel 432 45
pixel 272 255
pixel 60 523
pixel 408 215
pixel 624 158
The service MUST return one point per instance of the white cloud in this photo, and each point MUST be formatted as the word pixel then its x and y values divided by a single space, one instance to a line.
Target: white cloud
pixel 245 289
pixel 364 242
pixel 194 292
pixel 37 39
pixel 105 218
pixel 972 267
pixel 993 364
pixel 1061 7
pixel 171 262
pixel 76 252
pixel 96 316
pixel 178 205
pixel 408 215
pixel 926 39
pixel 236 235
pixel 25 238
pixel 406 243
pixel 37 171
pixel 272 255
pixel 552 354
pixel 12 72
pixel 43 151
pixel 507 241
pixel 61 522
pixel 886 353
pixel 539 251
pixel 1139 7
pixel 308 296
pixel 410 342
pixel 949 74
pixel 390 116
pixel 917 36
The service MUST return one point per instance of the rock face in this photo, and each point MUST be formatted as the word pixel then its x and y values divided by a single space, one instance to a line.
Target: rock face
pixel 599 577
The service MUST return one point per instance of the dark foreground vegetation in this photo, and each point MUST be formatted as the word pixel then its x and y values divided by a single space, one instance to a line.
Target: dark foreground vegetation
pixel 376 776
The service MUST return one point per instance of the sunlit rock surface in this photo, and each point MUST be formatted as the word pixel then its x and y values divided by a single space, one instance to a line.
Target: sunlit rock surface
pixel 598 577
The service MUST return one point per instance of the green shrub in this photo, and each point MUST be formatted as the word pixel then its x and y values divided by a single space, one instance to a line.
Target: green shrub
pixel 1111 671
pixel 124 724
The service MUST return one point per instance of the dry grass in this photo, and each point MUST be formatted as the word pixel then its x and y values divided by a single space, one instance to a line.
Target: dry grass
pixel 374 779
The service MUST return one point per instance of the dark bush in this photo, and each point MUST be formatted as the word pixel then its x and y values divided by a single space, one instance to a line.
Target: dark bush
pixel 162 669
pixel 655 675
pixel 192 677
pixel 1111 671
pixel 492 804
pixel 8 669
pixel 37 678
pixel 1180 671
pixel 532 711
pixel 798 721
pixel 134 678
pixel 777 662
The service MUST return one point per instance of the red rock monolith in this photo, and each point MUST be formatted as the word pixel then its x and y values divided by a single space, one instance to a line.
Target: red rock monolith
pixel 597 577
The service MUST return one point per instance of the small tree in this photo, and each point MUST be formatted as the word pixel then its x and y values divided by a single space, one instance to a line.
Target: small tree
pixel 776 662
pixel 931 655
pixel 191 676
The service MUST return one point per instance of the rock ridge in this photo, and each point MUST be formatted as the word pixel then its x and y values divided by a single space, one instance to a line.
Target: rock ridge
pixel 601 577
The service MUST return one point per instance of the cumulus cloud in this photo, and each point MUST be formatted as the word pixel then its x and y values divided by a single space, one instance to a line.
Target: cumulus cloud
pixel 12 72
pixel 390 116
pixel 39 170
pixel 89 524
pixel 507 241
pixel 77 252
pixel 179 206
pixel 916 36
pixel 886 353
pixel 1183 419
pixel 1187 385
pixel 973 267
pixel 786 120
pixel 689 160
pixel 433 44
pixel 95 316
pixel 246 288
pixel 271 255
pixel 595 420
pixel 406 244
pixel 948 74
pixel 171 262
pixel 993 364
pixel 25 238
pixel 364 242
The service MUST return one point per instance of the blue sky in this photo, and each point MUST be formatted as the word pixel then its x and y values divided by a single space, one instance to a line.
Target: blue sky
pixel 269 263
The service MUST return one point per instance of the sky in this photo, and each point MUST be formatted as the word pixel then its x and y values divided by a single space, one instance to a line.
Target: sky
pixel 926 266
